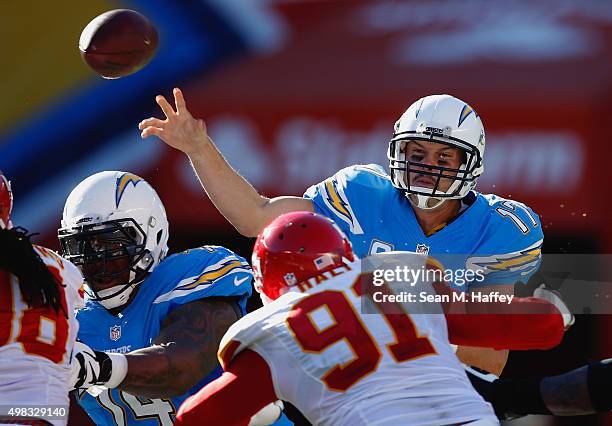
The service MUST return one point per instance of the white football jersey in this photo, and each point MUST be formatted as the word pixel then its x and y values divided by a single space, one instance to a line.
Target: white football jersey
pixel 36 344
pixel 340 366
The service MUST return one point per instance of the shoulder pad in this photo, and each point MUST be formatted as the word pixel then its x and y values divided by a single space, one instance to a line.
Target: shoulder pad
pixel 513 216
pixel 71 275
pixel 202 272
pixel 364 175
pixel 512 241
pixel 253 327
pixel 344 196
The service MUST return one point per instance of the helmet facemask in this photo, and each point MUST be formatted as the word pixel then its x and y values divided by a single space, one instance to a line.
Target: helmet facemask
pixel 402 170
pixel 446 120
pixel 114 227
pixel 112 256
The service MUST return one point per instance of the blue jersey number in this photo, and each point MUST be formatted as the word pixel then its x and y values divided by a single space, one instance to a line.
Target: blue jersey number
pixel 161 410
pixel 508 209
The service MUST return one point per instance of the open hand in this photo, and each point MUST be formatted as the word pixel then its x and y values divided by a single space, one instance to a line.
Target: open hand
pixel 180 129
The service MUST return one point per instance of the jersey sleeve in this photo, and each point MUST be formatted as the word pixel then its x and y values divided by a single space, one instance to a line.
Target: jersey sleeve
pixel 506 331
pixel 217 401
pixel 344 196
pixel 209 271
pixel 524 323
pixel 241 335
pixel 512 245
pixel 253 329
pixel 74 284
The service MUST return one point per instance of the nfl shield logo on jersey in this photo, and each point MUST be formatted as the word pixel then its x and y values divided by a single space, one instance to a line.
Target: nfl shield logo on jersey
pixel 115 332
pixel 422 249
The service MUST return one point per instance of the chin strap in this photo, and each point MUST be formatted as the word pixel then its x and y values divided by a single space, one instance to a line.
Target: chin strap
pixel 422 201
pixel 115 296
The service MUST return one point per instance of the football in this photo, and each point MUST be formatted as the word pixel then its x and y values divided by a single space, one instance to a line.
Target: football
pixel 118 43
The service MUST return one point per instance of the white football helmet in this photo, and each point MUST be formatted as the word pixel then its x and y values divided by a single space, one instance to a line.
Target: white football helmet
pixel 114 227
pixel 442 119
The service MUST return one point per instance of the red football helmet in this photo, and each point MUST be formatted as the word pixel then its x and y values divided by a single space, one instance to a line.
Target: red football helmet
pixel 294 247
pixel 6 202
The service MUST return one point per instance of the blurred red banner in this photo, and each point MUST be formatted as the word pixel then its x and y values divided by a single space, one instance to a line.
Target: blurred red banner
pixel 343 72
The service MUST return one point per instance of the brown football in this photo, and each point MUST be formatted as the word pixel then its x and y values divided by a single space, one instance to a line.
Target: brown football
pixel 118 43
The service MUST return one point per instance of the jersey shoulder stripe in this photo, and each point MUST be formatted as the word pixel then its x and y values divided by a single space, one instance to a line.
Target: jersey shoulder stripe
pixel 347 194
pixel 209 276
pixel 336 200
pixel 523 261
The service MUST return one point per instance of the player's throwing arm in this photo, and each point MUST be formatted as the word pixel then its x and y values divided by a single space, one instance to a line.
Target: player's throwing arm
pixel 235 198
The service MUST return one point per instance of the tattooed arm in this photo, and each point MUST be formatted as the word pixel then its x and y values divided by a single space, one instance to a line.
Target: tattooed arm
pixel 184 352
pixel 568 394
pixel 584 390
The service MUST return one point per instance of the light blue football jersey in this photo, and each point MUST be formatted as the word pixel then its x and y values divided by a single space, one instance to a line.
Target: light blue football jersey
pixel 181 278
pixel 501 238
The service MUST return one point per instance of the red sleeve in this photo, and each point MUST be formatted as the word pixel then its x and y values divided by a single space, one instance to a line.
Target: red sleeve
pixel 525 323
pixel 241 391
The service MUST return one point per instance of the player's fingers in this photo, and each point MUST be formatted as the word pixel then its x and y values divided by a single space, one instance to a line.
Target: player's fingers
pixel 165 106
pixel 151 131
pixel 151 122
pixel 179 99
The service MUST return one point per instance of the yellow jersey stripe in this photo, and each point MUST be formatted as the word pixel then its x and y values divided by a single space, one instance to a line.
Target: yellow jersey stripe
pixel 213 275
pixel 528 257
pixel 335 199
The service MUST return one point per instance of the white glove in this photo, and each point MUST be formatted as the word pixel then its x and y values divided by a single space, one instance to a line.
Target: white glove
pixel 267 415
pixel 554 297
pixel 90 368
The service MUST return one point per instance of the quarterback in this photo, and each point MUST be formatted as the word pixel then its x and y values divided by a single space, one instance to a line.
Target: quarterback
pixel 39 292
pixel 425 202
pixel 152 323
pixel 313 345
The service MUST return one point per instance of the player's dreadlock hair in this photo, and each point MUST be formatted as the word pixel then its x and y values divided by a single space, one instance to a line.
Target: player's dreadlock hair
pixel 39 287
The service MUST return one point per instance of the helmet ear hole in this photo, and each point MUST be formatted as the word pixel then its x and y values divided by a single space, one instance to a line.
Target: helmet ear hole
pixel 160 234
